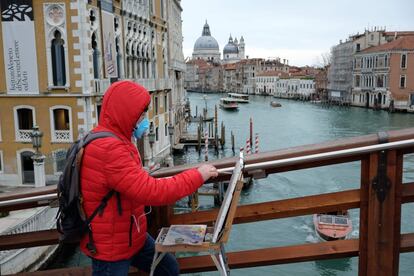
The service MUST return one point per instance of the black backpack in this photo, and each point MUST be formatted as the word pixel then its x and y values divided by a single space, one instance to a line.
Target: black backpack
pixel 72 223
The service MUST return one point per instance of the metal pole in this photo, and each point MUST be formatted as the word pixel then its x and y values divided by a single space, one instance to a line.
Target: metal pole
pixel 323 156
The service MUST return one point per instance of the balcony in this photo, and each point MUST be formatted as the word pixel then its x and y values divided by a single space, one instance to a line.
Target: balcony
pixel 155 84
pixel 23 135
pixel 178 65
pixel 61 136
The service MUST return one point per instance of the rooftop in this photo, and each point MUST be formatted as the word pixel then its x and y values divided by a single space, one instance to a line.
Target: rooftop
pixel 404 43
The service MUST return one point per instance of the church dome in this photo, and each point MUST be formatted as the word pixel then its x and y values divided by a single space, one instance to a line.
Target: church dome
pixel 206 41
pixel 230 48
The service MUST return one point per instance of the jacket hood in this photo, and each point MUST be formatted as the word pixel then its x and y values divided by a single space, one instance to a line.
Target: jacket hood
pixel 123 104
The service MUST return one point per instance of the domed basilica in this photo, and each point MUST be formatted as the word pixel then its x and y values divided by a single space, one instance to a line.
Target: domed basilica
pixel 207 48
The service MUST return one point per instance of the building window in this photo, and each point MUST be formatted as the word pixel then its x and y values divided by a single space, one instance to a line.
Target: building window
pixel 24 120
pixel 95 56
pixel 1 161
pixel 166 130
pixel 156 105
pixel 58 60
pixel 380 81
pixel 402 81
pixel 156 134
pixel 386 61
pixel 403 61
pixel 358 47
pixel 166 103
pixel 60 122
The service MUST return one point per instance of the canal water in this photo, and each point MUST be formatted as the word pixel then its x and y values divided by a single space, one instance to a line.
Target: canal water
pixel 295 124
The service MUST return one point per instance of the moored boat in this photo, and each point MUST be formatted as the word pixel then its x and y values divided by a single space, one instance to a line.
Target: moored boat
pixel 228 104
pixel 240 98
pixel 332 226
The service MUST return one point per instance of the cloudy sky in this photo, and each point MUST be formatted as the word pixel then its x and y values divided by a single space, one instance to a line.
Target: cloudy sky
pixel 299 30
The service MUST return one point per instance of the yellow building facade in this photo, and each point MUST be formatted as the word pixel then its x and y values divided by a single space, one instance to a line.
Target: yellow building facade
pixel 57 58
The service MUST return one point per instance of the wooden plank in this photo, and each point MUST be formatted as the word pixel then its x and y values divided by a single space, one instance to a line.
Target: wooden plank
pixel 257 257
pixel 29 239
pixel 278 209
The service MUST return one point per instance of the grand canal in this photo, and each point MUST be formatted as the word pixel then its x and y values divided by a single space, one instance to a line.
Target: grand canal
pixel 294 124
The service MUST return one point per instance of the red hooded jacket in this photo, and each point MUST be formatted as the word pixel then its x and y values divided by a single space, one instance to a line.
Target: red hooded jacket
pixel 110 163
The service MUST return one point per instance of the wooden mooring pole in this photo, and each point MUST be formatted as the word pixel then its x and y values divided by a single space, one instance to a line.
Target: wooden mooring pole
pixel 232 142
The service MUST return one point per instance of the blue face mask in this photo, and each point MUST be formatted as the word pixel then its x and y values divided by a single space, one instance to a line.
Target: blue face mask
pixel 141 128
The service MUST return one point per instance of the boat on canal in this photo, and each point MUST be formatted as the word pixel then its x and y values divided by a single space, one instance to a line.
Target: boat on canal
pixel 332 226
pixel 240 98
pixel 229 104
pixel 275 104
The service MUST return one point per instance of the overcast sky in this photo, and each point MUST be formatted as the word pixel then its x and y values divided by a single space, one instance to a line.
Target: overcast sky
pixel 299 30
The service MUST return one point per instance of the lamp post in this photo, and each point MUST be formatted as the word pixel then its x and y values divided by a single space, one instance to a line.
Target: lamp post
pixel 151 140
pixel 38 157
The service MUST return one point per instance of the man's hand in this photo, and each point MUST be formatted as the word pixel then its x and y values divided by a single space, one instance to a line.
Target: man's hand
pixel 208 171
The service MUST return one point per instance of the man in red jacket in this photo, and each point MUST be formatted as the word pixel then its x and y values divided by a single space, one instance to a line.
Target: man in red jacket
pixel 119 234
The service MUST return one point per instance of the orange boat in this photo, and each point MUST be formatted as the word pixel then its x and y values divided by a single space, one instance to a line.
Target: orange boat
pixel 333 226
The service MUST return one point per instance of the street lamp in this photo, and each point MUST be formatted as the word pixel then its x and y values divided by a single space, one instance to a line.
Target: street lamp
pixel 36 136
pixel 38 158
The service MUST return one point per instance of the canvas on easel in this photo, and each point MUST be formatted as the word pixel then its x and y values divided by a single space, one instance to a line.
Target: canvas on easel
pixel 186 238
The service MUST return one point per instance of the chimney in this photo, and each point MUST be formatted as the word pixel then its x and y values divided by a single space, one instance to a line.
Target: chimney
pixel 284 61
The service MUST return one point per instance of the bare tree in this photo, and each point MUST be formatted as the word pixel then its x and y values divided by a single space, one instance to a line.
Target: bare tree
pixel 323 60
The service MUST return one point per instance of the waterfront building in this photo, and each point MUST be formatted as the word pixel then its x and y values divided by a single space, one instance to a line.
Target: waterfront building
pixel 266 82
pixel 177 68
pixel 340 74
pixel 295 86
pixel 382 75
pixel 55 71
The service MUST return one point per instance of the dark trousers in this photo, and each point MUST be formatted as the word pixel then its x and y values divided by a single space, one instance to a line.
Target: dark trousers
pixel 142 260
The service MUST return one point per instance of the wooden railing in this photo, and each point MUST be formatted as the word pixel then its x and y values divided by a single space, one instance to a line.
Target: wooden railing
pixel 379 198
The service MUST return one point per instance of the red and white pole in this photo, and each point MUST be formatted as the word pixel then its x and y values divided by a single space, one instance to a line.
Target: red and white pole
pixel 248 150
pixel 206 145
pixel 256 143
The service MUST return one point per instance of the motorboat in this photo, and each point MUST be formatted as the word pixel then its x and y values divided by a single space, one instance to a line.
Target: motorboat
pixel 275 104
pixel 240 98
pixel 333 225
pixel 229 104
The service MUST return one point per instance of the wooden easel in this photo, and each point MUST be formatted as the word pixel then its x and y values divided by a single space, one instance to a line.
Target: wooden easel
pixel 216 237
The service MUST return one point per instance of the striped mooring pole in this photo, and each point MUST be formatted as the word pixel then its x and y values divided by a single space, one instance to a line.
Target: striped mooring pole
pixel 248 150
pixel 206 145
pixel 256 143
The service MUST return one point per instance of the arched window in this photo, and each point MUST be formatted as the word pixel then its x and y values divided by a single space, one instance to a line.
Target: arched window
pixel 60 120
pixel 95 56
pixel 58 60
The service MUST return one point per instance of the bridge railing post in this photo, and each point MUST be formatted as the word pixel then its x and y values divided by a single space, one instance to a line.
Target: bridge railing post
pixel 380 214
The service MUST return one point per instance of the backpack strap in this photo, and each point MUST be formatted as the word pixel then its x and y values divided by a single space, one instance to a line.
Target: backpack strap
pixel 91 244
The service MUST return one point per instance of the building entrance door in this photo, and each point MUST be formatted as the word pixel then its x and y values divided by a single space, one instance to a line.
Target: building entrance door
pixel 27 167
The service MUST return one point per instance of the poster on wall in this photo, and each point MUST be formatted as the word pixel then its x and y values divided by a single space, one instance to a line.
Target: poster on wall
pixel 19 47
pixel 109 45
